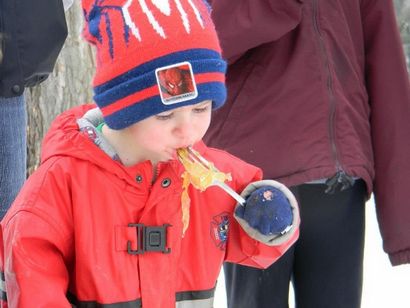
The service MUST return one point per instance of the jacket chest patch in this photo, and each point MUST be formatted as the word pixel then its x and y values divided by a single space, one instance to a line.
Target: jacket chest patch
pixel 219 230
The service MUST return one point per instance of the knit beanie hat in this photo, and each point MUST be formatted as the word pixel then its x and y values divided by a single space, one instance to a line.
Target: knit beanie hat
pixel 152 56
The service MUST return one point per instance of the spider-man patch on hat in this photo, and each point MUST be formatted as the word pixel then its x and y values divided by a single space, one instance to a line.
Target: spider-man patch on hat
pixel 176 83
pixel 153 56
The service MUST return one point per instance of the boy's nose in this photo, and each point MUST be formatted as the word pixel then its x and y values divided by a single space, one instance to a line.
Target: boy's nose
pixel 185 132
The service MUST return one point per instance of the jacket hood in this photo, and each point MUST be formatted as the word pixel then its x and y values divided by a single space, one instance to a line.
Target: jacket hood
pixel 64 139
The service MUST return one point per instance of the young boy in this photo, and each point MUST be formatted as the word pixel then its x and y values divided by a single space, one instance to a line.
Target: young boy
pixel 99 224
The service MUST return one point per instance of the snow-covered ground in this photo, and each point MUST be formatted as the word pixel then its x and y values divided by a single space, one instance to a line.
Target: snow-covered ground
pixel 384 285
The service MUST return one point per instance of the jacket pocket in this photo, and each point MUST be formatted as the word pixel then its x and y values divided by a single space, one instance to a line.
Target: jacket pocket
pixel 243 86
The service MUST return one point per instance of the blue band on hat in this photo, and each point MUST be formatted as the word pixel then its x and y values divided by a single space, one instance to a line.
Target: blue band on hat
pixel 136 83
pixel 125 117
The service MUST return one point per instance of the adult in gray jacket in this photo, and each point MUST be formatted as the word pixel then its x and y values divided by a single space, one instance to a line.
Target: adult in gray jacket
pixel 32 34
pixel 319 97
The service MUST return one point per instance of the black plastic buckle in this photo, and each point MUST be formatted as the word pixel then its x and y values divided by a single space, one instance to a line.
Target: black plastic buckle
pixel 149 239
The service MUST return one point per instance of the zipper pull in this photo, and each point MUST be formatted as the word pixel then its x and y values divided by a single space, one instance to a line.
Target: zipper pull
pixel 346 180
pixel 340 179
pixel 331 184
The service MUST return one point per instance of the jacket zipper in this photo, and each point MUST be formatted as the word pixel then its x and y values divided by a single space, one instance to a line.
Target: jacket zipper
pixel 155 174
pixel 340 178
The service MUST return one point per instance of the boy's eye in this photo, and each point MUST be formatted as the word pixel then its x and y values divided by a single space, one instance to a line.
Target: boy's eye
pixel 164 116
pixel 201 109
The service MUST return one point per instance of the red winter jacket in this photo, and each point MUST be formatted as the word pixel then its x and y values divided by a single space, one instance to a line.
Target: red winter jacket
pixel 68 239
pixel 317 89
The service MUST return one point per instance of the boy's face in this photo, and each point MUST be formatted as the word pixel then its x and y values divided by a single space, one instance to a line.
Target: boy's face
pixel 159 136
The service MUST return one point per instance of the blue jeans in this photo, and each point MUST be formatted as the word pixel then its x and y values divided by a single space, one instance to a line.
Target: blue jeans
pixel 13 155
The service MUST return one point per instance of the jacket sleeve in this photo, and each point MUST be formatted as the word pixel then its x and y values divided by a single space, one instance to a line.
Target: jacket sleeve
pixel 389 98
pixel 244 24
pixel 35 250
pixel 245 250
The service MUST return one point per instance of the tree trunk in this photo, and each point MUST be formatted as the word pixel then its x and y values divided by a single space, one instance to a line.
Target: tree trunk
pixel 403 18
pixel 68 86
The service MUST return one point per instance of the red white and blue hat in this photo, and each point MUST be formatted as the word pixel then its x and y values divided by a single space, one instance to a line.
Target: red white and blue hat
pixel 153 56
